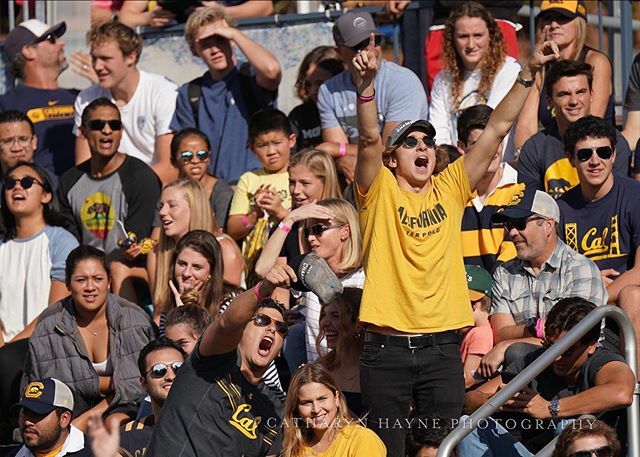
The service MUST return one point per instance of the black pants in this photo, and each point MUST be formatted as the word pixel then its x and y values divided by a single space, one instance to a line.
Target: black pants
pixel 392 376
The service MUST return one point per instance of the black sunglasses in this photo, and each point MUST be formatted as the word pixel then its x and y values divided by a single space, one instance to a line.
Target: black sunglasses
pixel 262 320
pixel 411 142
pixel 520 224
pixel 50 37
pixel 318 229
pixel 604 152
pixel 26 183
pixel 568 353
pixel 604 451
pixel 364 43
pixel 159 370
pixel 98 124
pixel 202 156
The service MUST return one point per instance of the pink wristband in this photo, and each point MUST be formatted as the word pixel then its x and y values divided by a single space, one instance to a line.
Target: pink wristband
pixel 256 292
pixel 366 98
pixel 284 227
pixel 245 222
pixel 540 328
pixel 343 150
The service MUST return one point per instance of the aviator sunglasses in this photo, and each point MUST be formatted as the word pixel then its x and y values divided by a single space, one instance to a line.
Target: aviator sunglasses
pixel 202 155
pixel 98 124
pixel 604 451
pixel 262 320
pixel 604 152
pixel 159 370
pixel 26 183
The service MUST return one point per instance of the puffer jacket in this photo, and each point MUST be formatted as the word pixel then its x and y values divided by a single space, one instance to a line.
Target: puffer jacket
pixel 57 350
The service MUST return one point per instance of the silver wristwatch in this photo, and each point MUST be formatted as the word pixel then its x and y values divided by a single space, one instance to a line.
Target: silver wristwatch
pixel 525 82
pixel 554 408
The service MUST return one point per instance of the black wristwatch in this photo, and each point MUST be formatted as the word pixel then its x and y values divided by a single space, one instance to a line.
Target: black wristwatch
pixel 525 82
pixel 554 408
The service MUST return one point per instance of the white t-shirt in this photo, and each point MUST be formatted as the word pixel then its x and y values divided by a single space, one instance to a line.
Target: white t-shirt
pixel 440 113
pixel 146 116
pixel 311 308
pixel 27 267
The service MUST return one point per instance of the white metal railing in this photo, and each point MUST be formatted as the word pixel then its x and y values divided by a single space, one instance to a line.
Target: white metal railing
pixel 546 359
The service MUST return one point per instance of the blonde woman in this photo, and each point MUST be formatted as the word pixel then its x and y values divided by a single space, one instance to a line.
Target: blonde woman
pixel 317 421
pixel 476 69
pixel 184 206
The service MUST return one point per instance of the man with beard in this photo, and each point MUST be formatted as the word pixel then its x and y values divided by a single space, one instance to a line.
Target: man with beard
pixel 45 422
pixel 36 55
pixel 159 362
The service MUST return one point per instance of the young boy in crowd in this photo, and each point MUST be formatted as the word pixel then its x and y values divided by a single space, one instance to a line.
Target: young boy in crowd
pixel 479 339
pixel 262 197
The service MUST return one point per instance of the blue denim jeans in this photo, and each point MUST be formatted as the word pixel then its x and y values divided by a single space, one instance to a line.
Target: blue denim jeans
pixel 392 377
pixel 491 439
pixel 294 349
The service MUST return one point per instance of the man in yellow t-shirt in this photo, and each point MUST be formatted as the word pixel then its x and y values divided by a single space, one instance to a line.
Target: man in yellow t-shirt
pixel 415 295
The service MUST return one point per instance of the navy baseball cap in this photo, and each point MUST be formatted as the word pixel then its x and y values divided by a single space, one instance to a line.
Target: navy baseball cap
pixel 44 395
pixel 30 32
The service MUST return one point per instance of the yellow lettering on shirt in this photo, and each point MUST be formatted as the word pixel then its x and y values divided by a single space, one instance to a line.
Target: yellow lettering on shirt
pixel 594 245
pixel 51 113
pixel 246 424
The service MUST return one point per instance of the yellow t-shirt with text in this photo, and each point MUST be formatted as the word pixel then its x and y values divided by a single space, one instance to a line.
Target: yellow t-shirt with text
pixel 412 253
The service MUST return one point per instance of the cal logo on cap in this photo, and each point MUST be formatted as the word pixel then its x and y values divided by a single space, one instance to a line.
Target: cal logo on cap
pixel 359 23
pixel 34 390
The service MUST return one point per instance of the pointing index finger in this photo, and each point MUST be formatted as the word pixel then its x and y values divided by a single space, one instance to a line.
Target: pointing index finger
pixel 372 42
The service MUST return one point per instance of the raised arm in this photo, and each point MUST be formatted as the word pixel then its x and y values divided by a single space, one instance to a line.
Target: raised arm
pixel 477 160
pixel 370 146
pixel 225 333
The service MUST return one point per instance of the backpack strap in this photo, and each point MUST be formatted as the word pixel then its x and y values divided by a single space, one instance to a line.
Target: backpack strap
pixel 194 92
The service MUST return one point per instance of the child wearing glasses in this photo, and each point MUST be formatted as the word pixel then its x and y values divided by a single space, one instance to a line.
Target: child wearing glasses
pixel 191 155
pixel 262 199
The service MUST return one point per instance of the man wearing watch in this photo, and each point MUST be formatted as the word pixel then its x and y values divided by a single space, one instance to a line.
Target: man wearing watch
pixel 585 379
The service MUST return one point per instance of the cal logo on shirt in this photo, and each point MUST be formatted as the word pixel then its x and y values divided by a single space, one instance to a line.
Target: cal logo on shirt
pixel 245 423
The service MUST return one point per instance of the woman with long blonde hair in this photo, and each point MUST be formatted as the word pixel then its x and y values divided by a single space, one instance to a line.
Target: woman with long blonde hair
pixel 476 69
pixel 317 421
pixel 184 206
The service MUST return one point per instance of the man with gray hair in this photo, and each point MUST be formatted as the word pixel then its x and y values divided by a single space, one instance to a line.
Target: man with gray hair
pixel 36 53
pixel 526 288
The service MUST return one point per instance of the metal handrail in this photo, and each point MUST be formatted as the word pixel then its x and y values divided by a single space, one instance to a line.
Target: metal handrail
pixel 546 359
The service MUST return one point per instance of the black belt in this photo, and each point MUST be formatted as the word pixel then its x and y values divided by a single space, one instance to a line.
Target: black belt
pixel 414 341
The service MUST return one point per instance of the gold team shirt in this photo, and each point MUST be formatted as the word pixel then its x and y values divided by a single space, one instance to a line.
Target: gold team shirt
pixel 412 253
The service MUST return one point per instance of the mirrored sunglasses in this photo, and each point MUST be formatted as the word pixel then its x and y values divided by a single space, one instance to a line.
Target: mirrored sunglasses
pixel 26 183
pixel 262 320
pixel 411 142
pixel 159 370
pixel 98 124
pixel 202 155
pixel 604 152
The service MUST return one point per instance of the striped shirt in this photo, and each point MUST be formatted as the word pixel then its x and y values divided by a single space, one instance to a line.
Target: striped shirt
pixel 517 290
pixel 482 244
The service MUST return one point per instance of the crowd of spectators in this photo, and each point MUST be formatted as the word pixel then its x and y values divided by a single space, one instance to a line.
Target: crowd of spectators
pixel 187 270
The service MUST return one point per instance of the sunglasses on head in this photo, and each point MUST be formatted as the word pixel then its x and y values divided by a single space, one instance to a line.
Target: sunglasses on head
pixel 262 320
pixel 26 183
pixel 411 142
pixel 364 43
pixel 318 229
pixel 159 370
pixel 604 451
pixel 202 155
pixel 98 124
pixel 50 37
pixel 520 224
pixel 604 152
